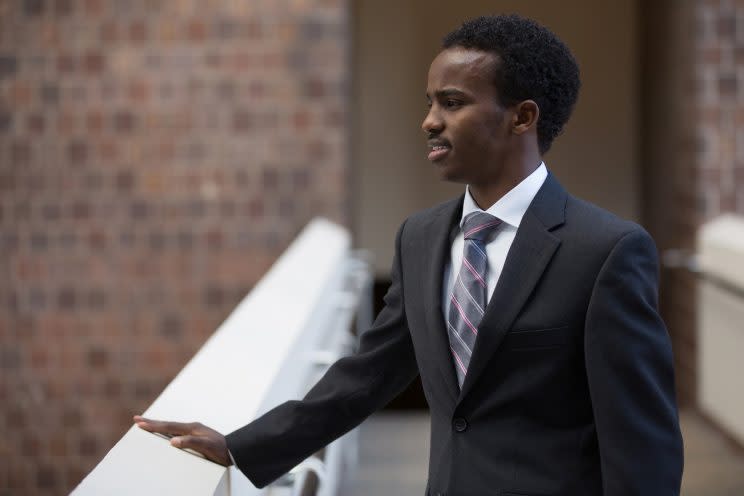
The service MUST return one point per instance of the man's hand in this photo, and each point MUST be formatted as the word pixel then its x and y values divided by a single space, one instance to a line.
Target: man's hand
pixel 194 435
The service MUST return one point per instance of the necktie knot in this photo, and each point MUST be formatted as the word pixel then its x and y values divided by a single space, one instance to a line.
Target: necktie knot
pixel 479 225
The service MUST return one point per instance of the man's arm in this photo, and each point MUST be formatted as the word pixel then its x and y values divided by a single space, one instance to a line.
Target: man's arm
pixel 630 371
pixel 352 389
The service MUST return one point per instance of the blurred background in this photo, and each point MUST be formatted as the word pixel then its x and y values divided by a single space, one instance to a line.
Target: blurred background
pixel 157 156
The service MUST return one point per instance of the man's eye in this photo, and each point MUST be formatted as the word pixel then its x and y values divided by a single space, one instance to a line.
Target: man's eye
pixel 453 103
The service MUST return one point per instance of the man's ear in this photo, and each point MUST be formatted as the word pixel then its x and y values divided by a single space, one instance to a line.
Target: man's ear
pixel 526 114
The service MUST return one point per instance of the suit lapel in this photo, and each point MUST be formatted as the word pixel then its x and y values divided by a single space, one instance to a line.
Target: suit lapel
pixel 438 243
pixel 531 251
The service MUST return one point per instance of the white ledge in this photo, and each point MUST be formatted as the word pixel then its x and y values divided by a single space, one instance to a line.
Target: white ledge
pixel 721 249
pixel 264 353
pixel 720 338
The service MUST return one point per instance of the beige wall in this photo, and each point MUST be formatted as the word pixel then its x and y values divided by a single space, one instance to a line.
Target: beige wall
pixel 395 41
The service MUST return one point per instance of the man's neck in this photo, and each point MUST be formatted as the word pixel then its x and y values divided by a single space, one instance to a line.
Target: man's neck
pixel 485 195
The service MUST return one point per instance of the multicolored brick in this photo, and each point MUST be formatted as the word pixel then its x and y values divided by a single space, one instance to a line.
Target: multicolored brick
pixel 155 159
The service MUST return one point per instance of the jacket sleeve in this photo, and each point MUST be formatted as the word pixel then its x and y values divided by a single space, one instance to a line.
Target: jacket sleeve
pixel 630 373
pixel 351 390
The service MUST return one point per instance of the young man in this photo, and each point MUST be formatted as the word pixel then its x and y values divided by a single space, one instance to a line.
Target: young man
pixel 530 315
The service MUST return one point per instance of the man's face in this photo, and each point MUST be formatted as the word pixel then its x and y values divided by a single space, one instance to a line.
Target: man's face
pixel 467 128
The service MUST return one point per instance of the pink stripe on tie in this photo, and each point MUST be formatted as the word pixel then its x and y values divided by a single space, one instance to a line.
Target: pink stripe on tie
pixel 459 362
pixel 474 272
pixel 462 314
pixel 482 226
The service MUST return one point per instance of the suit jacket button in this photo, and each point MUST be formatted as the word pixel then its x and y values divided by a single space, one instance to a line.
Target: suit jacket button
pixel 460 424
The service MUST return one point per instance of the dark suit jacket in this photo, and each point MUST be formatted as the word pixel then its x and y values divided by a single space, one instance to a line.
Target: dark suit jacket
pixel 570 389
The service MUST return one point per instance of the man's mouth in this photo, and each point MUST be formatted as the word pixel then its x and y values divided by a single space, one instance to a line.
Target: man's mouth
pixel 438 149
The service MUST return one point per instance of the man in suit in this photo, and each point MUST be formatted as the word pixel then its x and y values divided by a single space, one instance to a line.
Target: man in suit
pixel 530 315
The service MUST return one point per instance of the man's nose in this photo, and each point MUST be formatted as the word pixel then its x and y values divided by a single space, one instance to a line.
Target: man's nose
pixel 432 123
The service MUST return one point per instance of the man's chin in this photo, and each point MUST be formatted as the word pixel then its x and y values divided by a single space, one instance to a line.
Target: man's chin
pixel 449 173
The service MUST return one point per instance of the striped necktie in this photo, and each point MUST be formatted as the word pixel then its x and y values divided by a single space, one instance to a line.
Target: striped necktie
pixel 468 296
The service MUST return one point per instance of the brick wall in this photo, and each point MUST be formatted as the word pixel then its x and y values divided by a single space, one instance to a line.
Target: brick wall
pixel 155 158
pixel 692 111
pixel 719 50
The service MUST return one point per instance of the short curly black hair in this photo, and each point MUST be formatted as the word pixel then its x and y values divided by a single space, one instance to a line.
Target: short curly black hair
pixel 534 65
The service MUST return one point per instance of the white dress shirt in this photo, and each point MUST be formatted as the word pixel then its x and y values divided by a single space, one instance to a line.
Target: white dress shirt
pixel 510 209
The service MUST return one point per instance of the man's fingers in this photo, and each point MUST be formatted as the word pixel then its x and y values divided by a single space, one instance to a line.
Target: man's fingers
pixel 194 435
pixel 189 442
pixel 164 427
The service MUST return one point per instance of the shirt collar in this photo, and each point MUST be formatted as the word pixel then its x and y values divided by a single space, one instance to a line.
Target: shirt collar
pixel 512 206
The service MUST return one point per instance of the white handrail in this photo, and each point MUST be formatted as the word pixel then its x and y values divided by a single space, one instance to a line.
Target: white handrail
pixel 720 338
pixel 267 351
